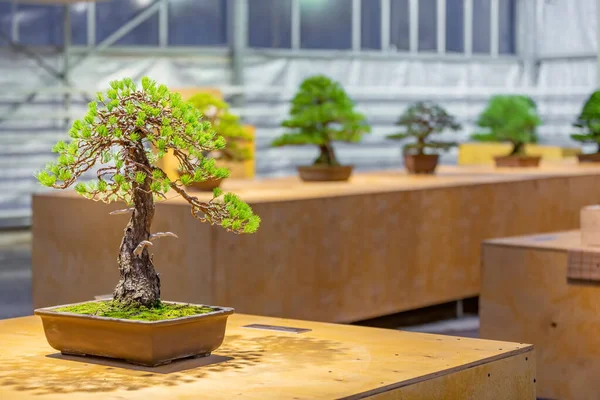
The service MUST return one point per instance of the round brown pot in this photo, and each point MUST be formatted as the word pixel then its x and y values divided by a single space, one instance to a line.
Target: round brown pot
pixel 207 186
pixel 588 158
pixel 518 161
pixel 317 173
pixel 421 163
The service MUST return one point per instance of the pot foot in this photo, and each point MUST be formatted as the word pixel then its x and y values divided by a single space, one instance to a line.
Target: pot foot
pixel 201 355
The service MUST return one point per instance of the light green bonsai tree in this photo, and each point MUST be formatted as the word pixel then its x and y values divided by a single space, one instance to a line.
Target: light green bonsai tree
pixel 117 132
pixel 509 118
pixel 420 121
pixel 588 121
pixel 225 124
pixel 321 114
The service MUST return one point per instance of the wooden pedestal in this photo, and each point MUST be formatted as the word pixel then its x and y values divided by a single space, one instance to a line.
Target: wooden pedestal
pixel 324 361
pixel 339 252
pixel 525 297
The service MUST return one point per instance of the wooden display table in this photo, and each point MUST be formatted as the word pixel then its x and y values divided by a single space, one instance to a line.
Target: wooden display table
pixel 337 252
pixel 326 362
pixel 525 297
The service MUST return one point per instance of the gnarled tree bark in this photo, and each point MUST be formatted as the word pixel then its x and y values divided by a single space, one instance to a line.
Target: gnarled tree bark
pixel 139 283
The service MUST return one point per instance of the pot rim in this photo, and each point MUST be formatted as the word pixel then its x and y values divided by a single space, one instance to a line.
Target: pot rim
pixel 325 166
pixel 421 155
pixel 518 157
pixel 50 311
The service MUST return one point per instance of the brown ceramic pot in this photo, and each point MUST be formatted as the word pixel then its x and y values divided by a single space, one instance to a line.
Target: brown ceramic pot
pixel 316 173
pixel 589 158
pixel 147 343
pixel 207 186
pixel 517 161
pixel 421 163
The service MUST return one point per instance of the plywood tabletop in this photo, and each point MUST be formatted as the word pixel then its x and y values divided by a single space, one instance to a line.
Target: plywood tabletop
pixel 292 188
pixel 560 241
pixel 329 361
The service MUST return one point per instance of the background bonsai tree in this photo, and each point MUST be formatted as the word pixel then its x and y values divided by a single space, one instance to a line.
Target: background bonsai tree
pixel 225 124
pixel 321 114
pixel 420 121
pixel 509 118
pixel 117 132
pixel 588 121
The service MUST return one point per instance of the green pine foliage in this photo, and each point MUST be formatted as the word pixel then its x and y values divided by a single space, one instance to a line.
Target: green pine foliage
pixel 225 124
pixel 588 121
pixel 509 118
pixel 128 120
pixel 420 121
pixel 322 113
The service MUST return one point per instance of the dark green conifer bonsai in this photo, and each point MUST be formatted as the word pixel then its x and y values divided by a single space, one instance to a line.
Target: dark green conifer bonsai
pixel 322 113
pixel 420 121
pixel 588 123
pixel 512 119
pixel 118 132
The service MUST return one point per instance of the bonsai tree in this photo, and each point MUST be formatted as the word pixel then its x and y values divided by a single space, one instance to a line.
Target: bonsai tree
pixel 588 121
pixel 321 114
pixel 117 133
pixel 509 118
pixel 225 124
pixel 420 121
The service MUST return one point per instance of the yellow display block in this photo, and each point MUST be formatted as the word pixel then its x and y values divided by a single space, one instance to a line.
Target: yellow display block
pixel 279 359
pixel 525 297
pixel 238 170
pixel 484 153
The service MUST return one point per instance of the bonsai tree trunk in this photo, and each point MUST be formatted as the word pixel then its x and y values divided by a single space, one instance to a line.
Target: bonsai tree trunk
pixel 598 151
pixel 518 148
pixel 326 156
pixel 139 283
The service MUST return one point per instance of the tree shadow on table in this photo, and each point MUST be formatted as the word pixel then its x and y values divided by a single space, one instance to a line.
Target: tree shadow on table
pixel 62 374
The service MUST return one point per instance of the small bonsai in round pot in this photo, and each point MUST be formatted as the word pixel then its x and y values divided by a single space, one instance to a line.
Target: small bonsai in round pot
pixel 512 119
pixel 588 122
pixel 420 121
pixel 117 134
pixel 322 113
pixel 227 125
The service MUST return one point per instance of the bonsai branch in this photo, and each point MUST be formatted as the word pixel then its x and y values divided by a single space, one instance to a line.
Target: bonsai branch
pixel 122 211
pixel 159 235
pixel 140 247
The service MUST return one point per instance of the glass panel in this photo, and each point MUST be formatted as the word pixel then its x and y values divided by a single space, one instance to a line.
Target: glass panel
pixel 43 25
pixel 112 15
pixel 455 25
pixel 399 25
pixel 269 23
pixel 507 26
pixel 326 24
pixel 5 22
pixel 481 26
pixel 427 25
pixel 370 24
pixel 198 22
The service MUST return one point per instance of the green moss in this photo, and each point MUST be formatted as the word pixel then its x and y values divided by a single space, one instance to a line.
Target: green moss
pixel 113 309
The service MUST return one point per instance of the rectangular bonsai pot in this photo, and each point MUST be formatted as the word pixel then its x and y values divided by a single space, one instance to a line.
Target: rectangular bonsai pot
pixel 147 343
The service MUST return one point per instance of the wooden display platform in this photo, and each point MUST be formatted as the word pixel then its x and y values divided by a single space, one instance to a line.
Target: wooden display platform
pixel 325 362
pixel 339 252
pixel 525 296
